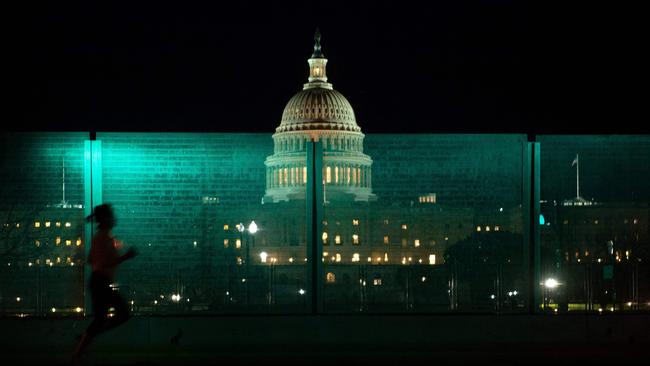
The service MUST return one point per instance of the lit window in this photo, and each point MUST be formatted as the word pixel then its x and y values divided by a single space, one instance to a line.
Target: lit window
pixel 336 174
pixel 68 260
pixel 47 224
pixel 338 257
pixel 58 240
pixel 37 224
pixel 226 227
pixel 38 243
pixel 58 260
pixel 304 174
pixel 417 243
pixel 355 239
pixel 238 243
pixel 328 174
pixel 68 242
pixel 337 239
pixel 385 257
pixel 331 278
pixel 225 243
pixel 325 237
pixel 478 228
pixel 386 239
pixel 355 257
pixel 376 281
pixel 78 242
pixel 432 259
pixel 487 228
pixel 57 224
pixel 355 222
pixel 496 228
pixel 404 242
pixel 385 221
pixel 636 221
pixel 67 224
pixel 404 227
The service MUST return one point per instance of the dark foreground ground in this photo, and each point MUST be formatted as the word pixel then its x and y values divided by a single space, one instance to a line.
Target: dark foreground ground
pixel 338 340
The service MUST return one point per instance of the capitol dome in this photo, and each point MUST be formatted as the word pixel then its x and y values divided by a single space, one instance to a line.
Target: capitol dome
pixel 318 109
pixel 318 113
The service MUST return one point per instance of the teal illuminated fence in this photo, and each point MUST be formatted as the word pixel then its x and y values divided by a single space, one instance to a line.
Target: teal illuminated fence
pixel 438 223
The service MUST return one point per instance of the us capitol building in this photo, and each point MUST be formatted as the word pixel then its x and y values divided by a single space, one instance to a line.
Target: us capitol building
pixel 318 113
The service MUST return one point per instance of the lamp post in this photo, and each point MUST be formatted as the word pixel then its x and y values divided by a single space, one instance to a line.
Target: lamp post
pixel 550 284
pixel 252 229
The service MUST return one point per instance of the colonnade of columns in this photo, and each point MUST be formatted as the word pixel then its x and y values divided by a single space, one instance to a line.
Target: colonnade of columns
pixel 338 174
pixel 330 143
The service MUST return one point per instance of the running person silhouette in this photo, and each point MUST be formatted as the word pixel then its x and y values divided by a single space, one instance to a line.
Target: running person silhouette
pixel 104 258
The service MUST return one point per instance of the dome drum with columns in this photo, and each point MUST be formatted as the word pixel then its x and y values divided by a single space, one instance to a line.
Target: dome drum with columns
pixel 318 113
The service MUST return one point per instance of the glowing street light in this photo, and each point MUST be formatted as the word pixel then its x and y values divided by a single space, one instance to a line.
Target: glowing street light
pixel 252 227
pixel 551 283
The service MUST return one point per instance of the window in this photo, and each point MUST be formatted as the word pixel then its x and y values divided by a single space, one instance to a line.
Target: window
pixel 328 174
pixel 325 238
pixel 331 278
pixel 336 174
pixel 67 224
pixel 38 243
pixel 304 175
pixel 47 224
pixel 386 239
pixel 58 240
pixel 78 242
pixel 225 243
pixel 432 259
pixel 238 243
pixel 68 242
pixel 355 222
pixel 337 239
pixel 416 243
pixel 355 257
pixel 37 224
pixel 226 227
pixel 57 224
pixel 355 239
pixel 338 257
pixel 376 281
pixel 404 227
pixel 385 257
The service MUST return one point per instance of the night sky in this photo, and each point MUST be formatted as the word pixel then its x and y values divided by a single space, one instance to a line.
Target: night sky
pixel 494 66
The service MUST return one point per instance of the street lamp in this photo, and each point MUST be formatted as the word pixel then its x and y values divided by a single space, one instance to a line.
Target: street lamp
pixel 550 284
pixel 252 229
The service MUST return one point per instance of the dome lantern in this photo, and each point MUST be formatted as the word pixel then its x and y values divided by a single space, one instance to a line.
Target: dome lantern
pixel 317 63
